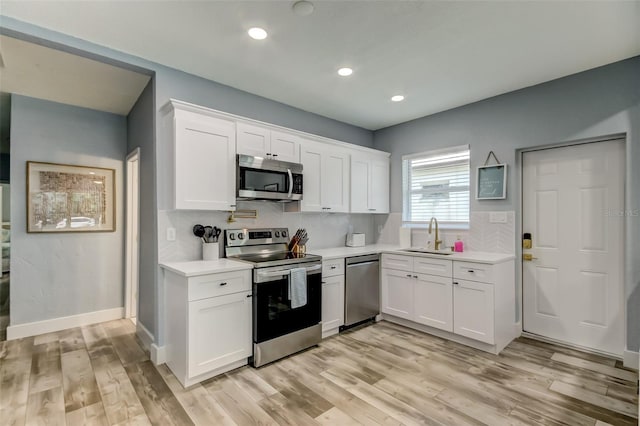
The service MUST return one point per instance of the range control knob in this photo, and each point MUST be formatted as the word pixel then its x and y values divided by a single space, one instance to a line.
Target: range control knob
pixel 284 234
pixel 232 237
pixel 240 236
pixel 277 234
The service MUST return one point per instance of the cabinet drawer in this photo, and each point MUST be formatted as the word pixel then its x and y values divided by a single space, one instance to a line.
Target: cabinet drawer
pixel 214 285
pixel 426 265
pixel 472 271
pixel 402 263
pixel 331 268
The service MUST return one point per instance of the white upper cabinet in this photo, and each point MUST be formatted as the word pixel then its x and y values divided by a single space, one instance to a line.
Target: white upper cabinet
pixel 326 178
pixel 263 142
pixel 369 184
pixel 204 161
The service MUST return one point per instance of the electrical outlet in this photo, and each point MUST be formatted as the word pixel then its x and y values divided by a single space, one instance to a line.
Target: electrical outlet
pixel 171 234
pixel 379 229
pixel 498 217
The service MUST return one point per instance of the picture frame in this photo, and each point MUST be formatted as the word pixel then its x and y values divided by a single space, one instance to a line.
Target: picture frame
pixel 491 182
pixel 70 198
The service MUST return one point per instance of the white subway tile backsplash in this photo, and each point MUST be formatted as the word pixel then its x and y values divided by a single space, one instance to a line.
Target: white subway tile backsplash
pixel 324 229
pixel 482 235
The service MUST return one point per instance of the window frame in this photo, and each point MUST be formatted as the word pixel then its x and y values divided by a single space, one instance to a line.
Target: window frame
pixel 406 199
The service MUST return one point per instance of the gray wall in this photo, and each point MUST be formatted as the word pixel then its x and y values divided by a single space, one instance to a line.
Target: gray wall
pixel 141 134
pixel 170 83
pixel 598 102
pixel 57 275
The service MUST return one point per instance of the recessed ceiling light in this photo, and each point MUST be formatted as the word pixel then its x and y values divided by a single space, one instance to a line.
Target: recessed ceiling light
pixel 257 33
pixel 397 98
pixel 303 8
pixel 345 71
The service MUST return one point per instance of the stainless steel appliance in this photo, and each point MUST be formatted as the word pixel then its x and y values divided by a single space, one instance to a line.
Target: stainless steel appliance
pixel 266 179
pixel 362 289
pixel 278 328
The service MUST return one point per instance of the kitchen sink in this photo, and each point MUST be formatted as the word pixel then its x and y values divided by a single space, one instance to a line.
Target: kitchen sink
pixel 428 251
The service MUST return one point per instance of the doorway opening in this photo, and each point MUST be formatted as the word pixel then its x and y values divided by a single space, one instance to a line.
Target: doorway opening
pixel 132 251
pixel 573 245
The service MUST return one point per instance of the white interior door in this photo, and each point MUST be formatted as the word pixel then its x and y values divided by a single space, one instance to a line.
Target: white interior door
pixel 132 244
pixel 573 204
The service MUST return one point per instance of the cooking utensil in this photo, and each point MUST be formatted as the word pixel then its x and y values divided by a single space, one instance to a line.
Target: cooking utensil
pixel 198 231
pixel 208 231
pixel 216 233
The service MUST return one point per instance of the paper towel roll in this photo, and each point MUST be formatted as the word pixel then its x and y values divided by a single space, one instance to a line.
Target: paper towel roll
pixel 405 237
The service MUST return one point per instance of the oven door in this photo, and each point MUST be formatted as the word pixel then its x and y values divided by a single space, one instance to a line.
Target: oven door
pixel 272 312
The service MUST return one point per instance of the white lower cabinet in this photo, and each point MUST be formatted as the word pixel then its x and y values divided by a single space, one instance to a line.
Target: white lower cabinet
pixel 332 296
pixel 208 323
pixel 473 309
pixel 433 301
pixel 468 299
pixel 397 293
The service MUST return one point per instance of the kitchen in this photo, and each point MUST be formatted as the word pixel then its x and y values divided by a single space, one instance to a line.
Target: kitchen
pixel 500 140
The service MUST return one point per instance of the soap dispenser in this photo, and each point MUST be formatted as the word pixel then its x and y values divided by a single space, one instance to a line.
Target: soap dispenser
pixel 458 246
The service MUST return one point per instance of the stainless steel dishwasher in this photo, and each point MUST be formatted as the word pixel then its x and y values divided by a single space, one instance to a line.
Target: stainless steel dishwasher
pixel 362 289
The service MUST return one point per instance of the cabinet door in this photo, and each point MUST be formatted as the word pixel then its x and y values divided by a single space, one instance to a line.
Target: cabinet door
pixel 433 301
pixel 379 187
pixel 285 147
pixel 219 332
pixel 397 293
pixel 205 150
pixel 335 181
pixel 332 302
pixel 473 310
pixel 253 140
pixel 360 185
pixel 311 159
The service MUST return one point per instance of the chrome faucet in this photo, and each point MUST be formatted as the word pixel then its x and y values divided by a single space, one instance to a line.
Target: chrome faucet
pixel 437 242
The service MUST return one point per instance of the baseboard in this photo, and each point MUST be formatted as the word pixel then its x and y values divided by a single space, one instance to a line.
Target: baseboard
pixel 35 328
pixel 146 338
pixel 631 359
pixel 517 330
pixel 158 354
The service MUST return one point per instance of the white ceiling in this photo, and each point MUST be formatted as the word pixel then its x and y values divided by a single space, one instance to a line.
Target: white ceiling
pixel 439 54
pixel 40 72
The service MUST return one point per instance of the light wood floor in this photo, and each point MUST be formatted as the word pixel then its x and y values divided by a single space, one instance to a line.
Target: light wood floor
pixel 380 374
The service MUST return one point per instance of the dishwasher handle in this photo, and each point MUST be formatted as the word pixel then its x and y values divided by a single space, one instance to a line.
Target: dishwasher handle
pixel 362 259
pixel 362 263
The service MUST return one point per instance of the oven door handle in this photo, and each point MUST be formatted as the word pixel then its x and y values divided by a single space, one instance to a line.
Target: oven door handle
pixel 286 272
pixel 290 183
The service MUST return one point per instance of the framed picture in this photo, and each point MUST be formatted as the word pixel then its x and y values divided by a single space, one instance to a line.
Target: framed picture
pixel 66 198
pixel 491 182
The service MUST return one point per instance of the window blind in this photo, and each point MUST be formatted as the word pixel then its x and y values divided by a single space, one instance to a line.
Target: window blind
pixel 436 184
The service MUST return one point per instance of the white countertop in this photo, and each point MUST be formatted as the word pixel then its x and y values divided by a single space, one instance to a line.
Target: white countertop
pixel 467 256
pixel 204 267
pixel 338 252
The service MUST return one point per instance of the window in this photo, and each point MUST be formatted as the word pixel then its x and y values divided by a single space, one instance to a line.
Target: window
pixel 436 184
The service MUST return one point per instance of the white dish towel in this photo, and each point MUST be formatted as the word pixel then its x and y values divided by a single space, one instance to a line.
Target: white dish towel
pixel 298 287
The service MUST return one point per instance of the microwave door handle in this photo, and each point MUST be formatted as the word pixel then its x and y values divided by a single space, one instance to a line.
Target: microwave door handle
pixel 290 183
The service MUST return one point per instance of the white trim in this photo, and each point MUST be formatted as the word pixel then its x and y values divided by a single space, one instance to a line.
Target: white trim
pixel 631 359
pixel 158 354
pixel 146 338
pixel 435 152
pixel 132 247
pixel 35 328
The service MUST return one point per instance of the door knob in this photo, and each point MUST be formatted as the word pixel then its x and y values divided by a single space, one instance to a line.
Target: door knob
pixel 528 257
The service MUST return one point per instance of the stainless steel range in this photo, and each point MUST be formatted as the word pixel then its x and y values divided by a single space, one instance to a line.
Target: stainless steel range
pixel 287 292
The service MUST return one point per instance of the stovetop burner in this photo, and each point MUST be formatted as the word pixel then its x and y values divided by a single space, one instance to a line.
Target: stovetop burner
pixel 263 260
pixel 263 247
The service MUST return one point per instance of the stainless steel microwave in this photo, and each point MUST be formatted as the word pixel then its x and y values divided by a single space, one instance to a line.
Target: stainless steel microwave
pixel 265 179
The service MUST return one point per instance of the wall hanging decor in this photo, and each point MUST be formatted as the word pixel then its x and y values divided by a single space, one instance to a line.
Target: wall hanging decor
pixel 68 198
pixel 491 180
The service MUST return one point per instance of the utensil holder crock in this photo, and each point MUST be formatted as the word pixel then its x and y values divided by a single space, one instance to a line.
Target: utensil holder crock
pixel 210 251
